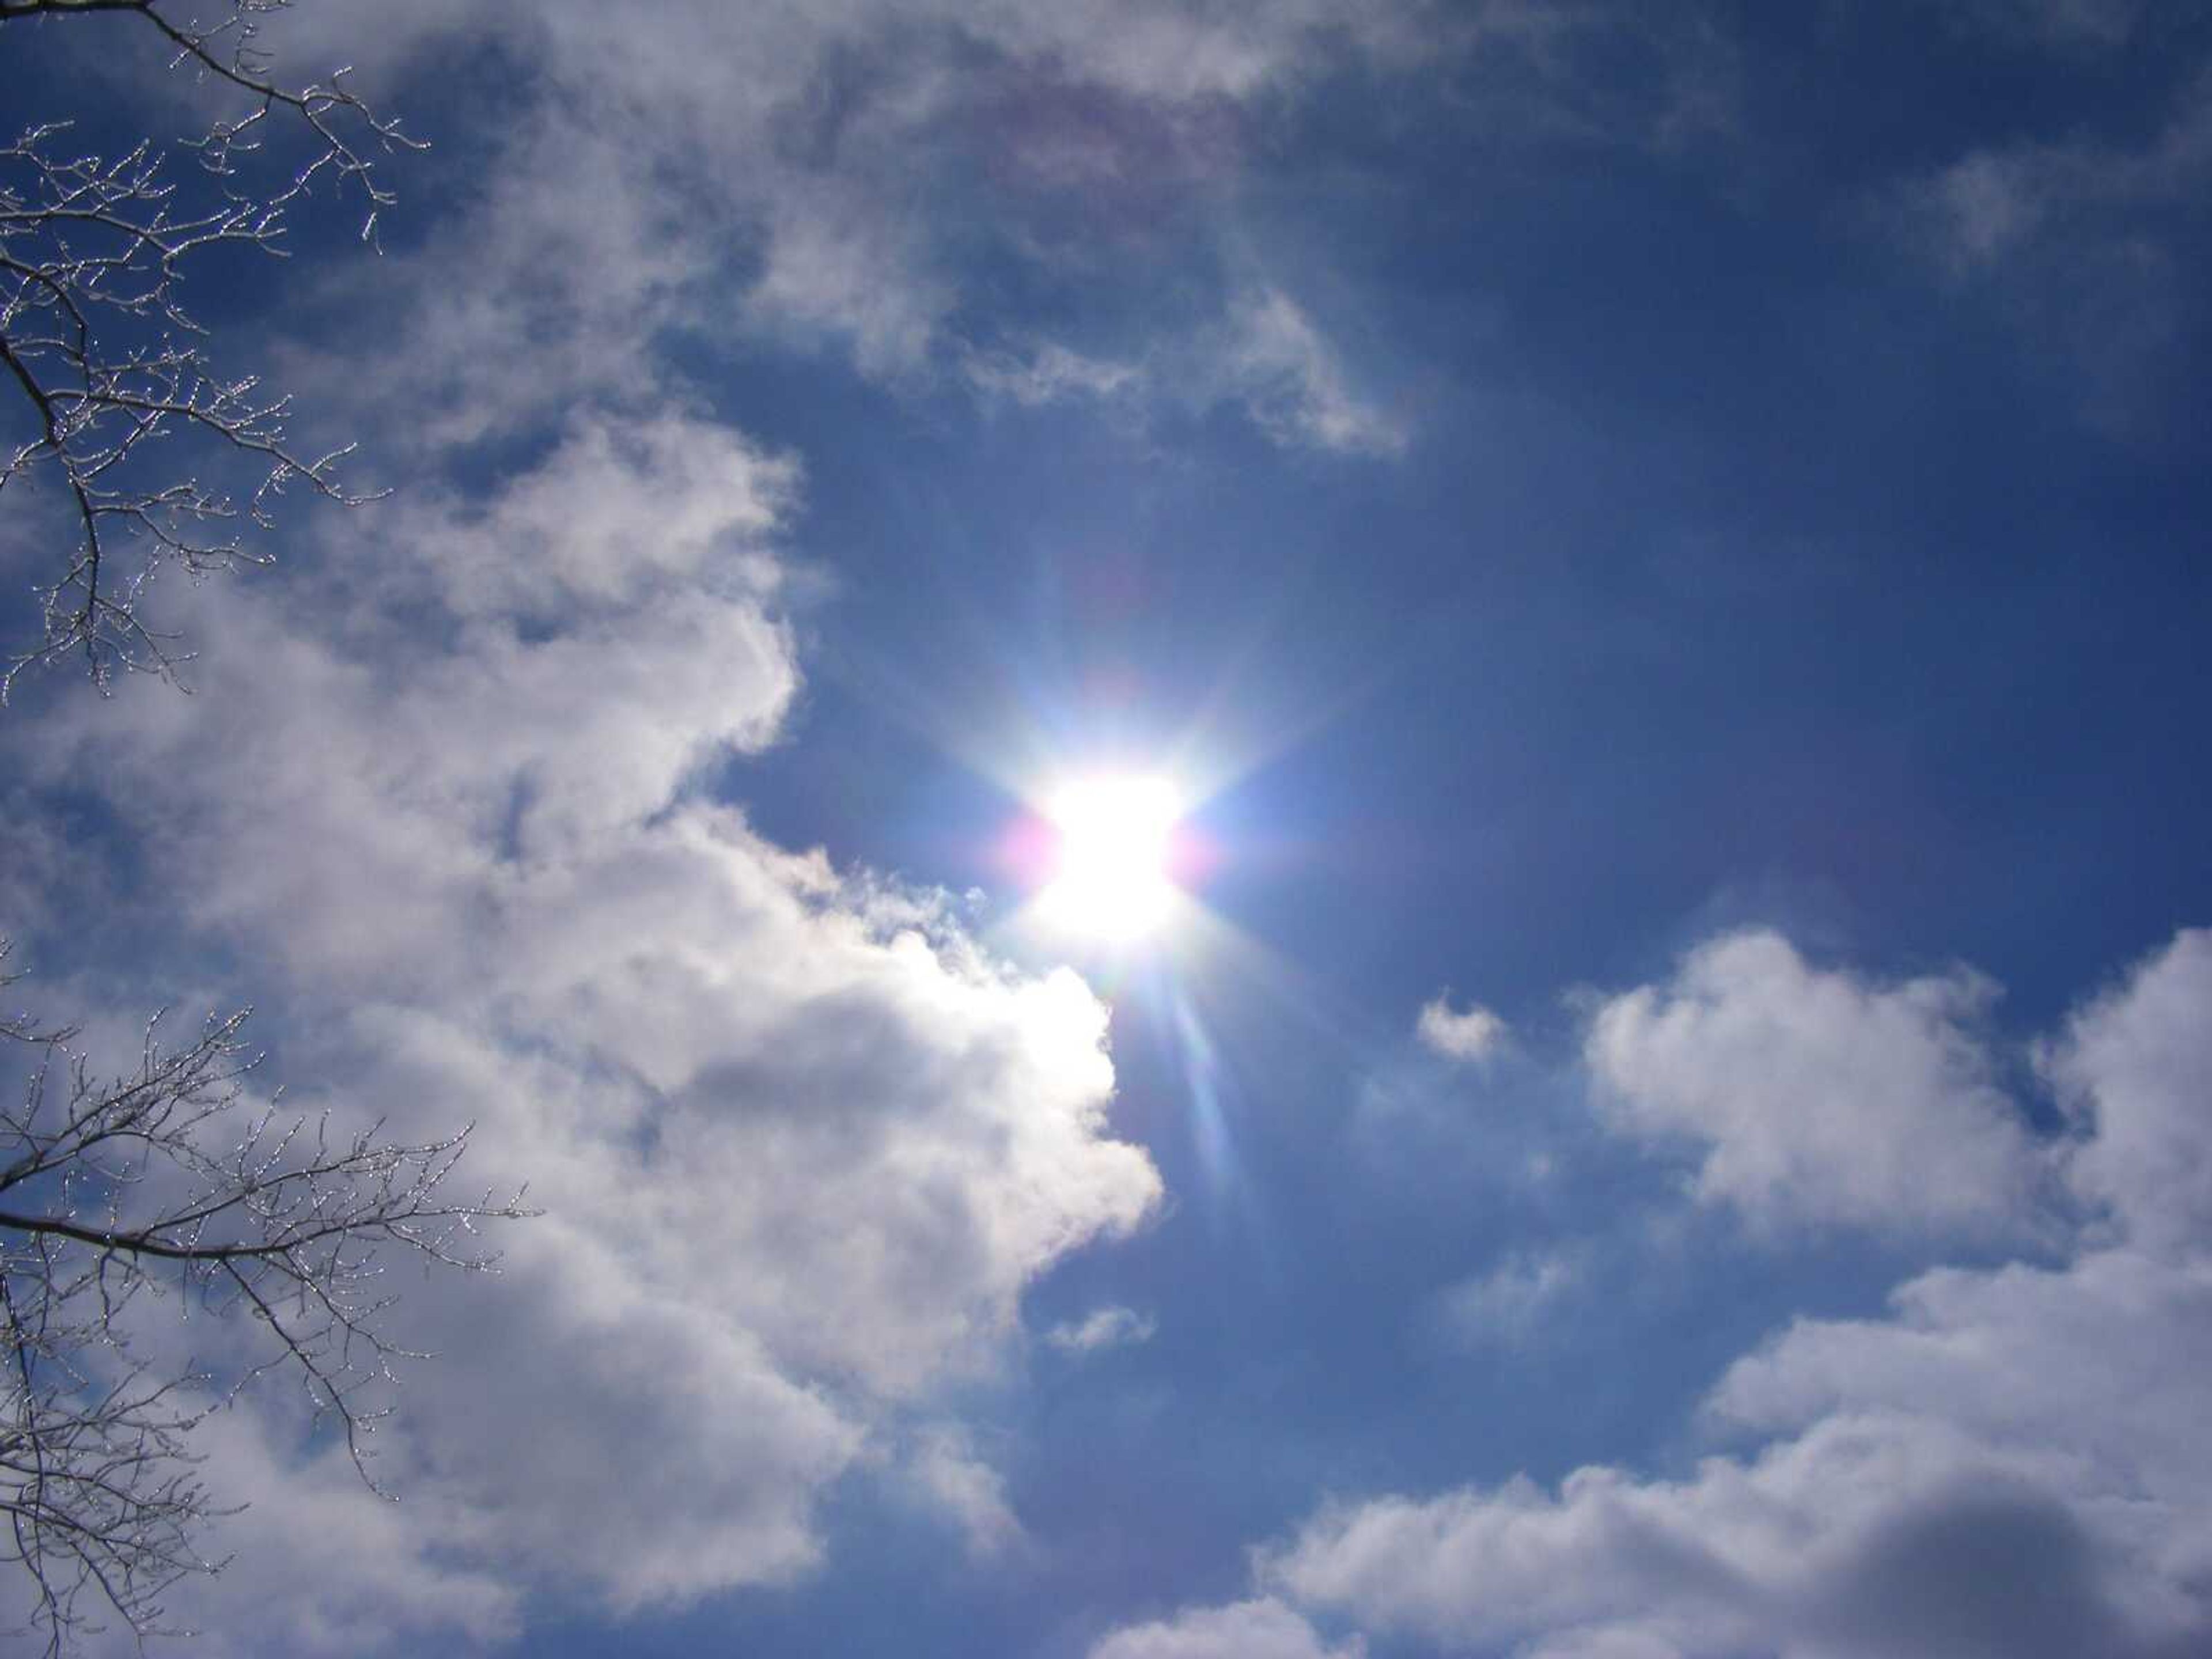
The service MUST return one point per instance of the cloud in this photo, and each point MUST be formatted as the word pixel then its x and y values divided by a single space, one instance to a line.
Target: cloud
pixel 317 1573
pixel 1474 1035
pixel 2132 1067
pixel 614 512
pixel 1266 356
pixel 832 179
pixel 1050 374
pixel 852 277
pixel 1897 1539
pixel 486 328
pixel 1812 1096
pixel 801 1143
pixel 1503 1305
pixel 1262 1629
pixel 1102 1328
pixel 946 1469
pixel 2009 1462
pixel 2058 25
pixel 2079 244
pixel 1293 383
pixel 2008 1466
pixel 827 178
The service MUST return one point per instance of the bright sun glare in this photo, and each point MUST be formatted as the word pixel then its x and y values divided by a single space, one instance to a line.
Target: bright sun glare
pixel 1111 879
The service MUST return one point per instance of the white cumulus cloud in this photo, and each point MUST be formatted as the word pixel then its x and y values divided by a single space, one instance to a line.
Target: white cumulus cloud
pixel 1473 1033
pixel 1812 1096
pixel 2133 1068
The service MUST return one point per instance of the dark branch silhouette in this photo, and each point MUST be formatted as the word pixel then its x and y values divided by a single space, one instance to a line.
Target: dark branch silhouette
pixel 166 1191
pixel 118 382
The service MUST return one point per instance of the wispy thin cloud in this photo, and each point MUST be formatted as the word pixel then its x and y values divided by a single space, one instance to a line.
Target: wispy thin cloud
pixel 1102 1328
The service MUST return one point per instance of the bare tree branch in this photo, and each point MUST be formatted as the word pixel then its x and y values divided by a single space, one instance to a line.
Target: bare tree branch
pixel 165 1186
pixel 114 375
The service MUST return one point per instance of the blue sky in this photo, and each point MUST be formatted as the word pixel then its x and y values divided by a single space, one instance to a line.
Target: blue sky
pixel 1668 559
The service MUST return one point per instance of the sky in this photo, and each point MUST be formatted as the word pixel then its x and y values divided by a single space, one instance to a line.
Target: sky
pixel 1662 552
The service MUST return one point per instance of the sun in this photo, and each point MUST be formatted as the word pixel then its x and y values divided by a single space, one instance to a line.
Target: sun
pixel 1112 877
